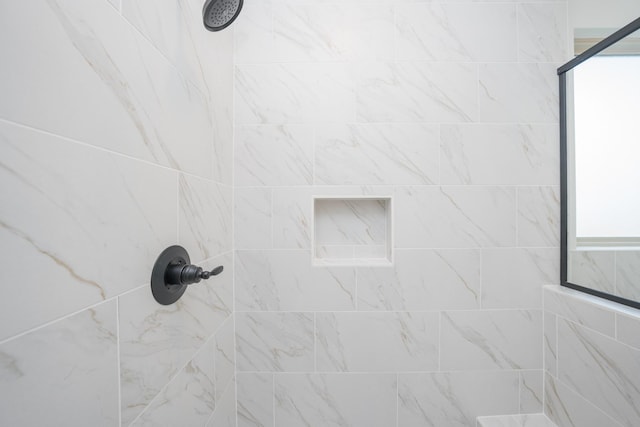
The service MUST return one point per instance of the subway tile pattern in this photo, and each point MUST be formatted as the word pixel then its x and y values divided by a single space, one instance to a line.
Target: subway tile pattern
pixel 447 108
pixel 116 141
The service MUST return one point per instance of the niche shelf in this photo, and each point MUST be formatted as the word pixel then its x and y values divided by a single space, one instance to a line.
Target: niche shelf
pixel 353 230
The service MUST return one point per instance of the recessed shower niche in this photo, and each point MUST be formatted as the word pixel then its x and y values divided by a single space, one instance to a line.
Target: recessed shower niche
pixel 352 230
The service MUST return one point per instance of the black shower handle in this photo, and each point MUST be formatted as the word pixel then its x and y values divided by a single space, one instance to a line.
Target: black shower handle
pixel 187 274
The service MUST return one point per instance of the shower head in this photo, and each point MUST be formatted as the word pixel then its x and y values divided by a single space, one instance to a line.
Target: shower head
pixel 219 14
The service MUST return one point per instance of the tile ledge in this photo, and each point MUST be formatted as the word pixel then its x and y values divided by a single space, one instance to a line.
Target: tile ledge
pixel 612 306
pixel 522 420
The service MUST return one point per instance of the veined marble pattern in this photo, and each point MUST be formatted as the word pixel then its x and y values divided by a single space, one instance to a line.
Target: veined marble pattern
pixel 628 274
pixel 350 221
pixel 491 154
pixel 527 420
pixel 204 218
pixel 67 216
pixel 601 369
pixel 252 218
pixel 455 399
pixel 457 217
pixel 225 413
pixel 541 32
pixel 550 344
pixel 593 269
pixel 448 32
pixel 539 216
pixel 168 335
pixel 416 91
pixel 255 399
pixel 254 35
pixel 422 280
pixel 404 153
pixel 294 93
pixel 175 28
pixel 501 339
pixel 224 356
pixel 291 216
pixel 332 31
pixel 286 280
pixel 332 400
pixel 189 399
pixel 64 373
pixel 387 342
pixel 531 391
pixel 514 277
pixel 518 93
pixel 274 155
pixel 119 93
pixel 580 308
pixel 567 408
pixel 628 329
pixel 274 342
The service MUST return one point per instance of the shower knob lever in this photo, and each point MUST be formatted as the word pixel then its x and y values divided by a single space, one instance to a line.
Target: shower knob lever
pixel 173 271
pixel 187 274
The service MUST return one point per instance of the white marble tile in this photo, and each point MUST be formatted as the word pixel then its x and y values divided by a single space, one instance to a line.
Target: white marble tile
pixel 88 229
pixel 350 221
pixel 225 413
pixel 253 33
pixel 317 31
pixel 601 369
pixel 531 391
pixel 252 218
pixel 205 217
pixel 294 93
pixel 400 342
pixel 520 93
pixel 628 274
pixel 286 280
pixel 593 269
pixel 405 153
pixel 417 91
pixel 255 399
pixel 499 154
pixel 628 329
pixel 550 343
pixel 292 217
pixel 456 217
pixel 224 356
pixel 514 277
pixel 175 28
pixel 274 155
pixel 221 102
pixel 445 279
pixel 188 399
pixel 542 32
pixel 119 93
pixel 450 32
pixel 167 335
pixel 567 408
pixel 579 307
pixel 522 420
pixel 65 373
pixel 455 399
pixel 501 339
pixel 539 216
pixel 274 342
pixel 332 400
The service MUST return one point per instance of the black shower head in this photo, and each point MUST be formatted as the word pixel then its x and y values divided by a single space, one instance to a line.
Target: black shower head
pixel 219 14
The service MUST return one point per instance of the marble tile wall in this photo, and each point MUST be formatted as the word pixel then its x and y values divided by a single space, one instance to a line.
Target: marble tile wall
pixel 115 142
pixel 592 360
pixel 449 108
